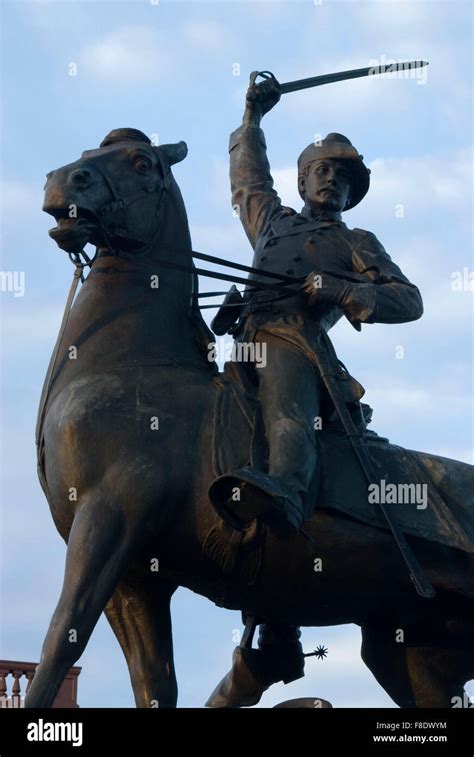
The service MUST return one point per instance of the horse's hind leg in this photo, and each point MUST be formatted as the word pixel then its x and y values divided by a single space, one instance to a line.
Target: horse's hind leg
pixel 99 547
pixel 139 613
pixel 418 676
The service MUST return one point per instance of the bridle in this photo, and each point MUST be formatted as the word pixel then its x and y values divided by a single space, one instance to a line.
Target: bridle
pixel 110 227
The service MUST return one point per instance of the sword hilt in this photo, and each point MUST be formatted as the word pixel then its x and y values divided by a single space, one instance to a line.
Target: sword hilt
pixel 266 76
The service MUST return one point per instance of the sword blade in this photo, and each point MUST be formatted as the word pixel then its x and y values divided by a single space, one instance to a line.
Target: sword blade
pixel 355 73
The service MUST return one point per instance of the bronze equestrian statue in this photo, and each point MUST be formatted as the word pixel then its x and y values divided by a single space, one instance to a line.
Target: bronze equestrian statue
pixel 136 423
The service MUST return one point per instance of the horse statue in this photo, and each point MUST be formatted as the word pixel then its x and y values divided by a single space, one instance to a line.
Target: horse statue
pixel 136 422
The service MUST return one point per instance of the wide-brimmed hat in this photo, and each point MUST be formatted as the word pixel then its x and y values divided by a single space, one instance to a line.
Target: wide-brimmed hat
pixel 338 147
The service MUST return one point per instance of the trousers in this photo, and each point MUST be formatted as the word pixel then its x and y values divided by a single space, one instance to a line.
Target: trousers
pixel 289 395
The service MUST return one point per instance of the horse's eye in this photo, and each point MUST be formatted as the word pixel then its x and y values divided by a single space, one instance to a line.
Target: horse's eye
pixel 142 165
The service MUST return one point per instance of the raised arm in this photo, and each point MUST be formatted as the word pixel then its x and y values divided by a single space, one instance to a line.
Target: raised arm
pixel 253 195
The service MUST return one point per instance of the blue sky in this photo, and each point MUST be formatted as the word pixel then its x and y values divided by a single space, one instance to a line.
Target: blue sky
pixel 168 68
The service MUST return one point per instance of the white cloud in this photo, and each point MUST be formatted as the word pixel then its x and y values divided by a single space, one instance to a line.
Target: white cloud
pixel 51 19
pixel 463 454
pixel 422 185
pixel 219 240
pixel 448 308
pixel 406 402
pixel 131 54
pixel 218 184
pixel 29 329
pixel 20 200
pixel 395 13
pixel 426 414
pixel 206 36
pixel 139 55
pixel 286 185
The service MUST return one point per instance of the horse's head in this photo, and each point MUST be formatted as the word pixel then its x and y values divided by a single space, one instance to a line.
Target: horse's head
pixel 113 196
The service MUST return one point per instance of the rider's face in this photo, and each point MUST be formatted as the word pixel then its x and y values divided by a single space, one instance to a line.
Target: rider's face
pixel 327 185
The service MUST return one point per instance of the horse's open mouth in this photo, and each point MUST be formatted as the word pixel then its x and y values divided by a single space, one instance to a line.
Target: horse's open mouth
pixel 75 227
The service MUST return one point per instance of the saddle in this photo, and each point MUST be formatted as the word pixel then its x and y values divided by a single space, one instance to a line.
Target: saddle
pixel 239 440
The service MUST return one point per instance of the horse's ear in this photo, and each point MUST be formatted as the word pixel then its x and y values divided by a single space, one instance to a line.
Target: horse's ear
pixel 174 153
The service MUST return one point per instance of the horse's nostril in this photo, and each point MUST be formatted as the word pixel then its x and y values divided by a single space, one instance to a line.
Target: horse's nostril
pixel 80 176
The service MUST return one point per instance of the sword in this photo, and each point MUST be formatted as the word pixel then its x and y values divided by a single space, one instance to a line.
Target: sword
pixel 423 586
pixel 355 73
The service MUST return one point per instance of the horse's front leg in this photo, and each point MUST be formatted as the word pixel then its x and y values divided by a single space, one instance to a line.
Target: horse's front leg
pixel 139 613
pixel 101 542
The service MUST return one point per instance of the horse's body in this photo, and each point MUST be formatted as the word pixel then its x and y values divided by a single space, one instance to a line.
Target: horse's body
pixel 126 466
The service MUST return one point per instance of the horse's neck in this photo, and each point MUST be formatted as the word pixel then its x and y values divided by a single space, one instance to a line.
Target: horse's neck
pixel 134 311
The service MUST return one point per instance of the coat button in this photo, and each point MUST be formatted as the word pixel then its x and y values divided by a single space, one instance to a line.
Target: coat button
pixel 297 258
pixel 311 240
pixel 263 257
pixel 289 271
pixel 271 242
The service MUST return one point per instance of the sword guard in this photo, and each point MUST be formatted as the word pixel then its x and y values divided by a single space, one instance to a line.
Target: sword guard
pixel 263 74
pixel 266 75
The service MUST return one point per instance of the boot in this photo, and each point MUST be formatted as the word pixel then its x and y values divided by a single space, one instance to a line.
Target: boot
pixel 253 672
pixel 259 495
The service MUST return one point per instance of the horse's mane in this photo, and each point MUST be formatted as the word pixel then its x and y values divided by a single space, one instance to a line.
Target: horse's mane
pixel 182 239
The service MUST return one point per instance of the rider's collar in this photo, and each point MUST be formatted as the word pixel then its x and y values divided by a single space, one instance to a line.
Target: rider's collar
pixel 326 217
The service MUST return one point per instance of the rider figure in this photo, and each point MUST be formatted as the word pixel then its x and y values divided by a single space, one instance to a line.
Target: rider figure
pixel 345 272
